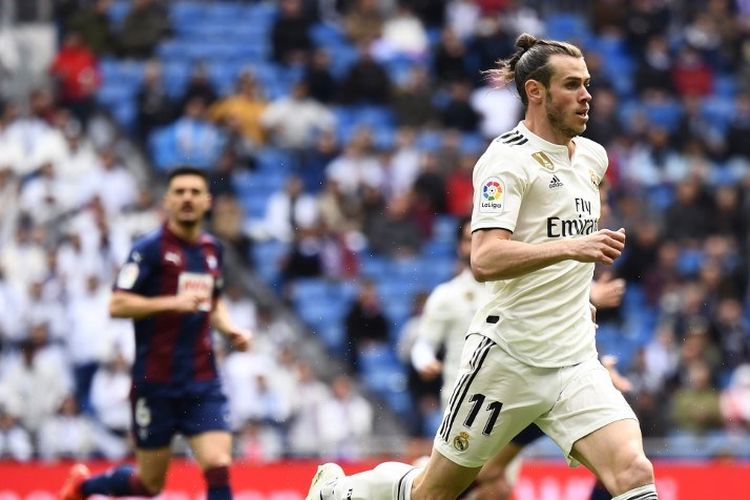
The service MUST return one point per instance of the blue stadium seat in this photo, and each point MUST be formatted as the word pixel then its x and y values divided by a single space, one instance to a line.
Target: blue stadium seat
pixel 444 228
pixel 118 11
pixel 328 35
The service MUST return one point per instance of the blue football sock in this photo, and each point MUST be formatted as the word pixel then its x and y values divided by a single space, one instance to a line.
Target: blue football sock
pixel 121 481
pixel 217 480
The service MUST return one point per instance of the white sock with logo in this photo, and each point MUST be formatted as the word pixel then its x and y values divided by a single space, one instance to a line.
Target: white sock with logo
pixel 387 481
pixel 647 492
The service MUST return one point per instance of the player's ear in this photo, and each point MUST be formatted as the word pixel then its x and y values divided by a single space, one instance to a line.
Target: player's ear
pixel 534 90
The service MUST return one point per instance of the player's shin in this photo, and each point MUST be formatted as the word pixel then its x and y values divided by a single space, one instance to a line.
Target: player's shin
pixel 217 481
pixel 122 481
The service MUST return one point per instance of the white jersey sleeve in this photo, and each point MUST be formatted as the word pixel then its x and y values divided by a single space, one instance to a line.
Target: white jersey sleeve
pixel 500 182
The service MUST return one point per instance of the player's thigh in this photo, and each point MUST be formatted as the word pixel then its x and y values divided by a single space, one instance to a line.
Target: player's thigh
pixel 212 448
pixel 205 422
pixel 615 454
pixel 152 465
pixel 442 479
pixel 587 403
pixel 493 399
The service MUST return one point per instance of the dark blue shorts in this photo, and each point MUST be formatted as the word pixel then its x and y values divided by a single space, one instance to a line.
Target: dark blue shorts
pixel 156 419
pixel 527 436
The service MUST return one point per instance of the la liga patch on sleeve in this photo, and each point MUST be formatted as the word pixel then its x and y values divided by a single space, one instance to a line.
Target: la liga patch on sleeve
pixel 491 195
pixel 128 276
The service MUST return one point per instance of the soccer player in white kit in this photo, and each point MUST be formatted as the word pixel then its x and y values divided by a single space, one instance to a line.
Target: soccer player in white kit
pixel 530 355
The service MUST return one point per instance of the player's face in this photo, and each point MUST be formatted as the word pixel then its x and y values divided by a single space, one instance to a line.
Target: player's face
pixel 568 98
pixel 187 199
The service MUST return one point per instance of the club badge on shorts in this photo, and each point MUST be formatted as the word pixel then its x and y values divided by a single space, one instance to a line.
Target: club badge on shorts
pixel 461 442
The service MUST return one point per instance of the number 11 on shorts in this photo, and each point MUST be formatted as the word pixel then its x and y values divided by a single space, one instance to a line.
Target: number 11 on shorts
pixel 493 407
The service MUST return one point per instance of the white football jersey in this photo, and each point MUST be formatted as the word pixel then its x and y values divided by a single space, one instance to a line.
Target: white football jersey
pixel 445 321
pixel 532 188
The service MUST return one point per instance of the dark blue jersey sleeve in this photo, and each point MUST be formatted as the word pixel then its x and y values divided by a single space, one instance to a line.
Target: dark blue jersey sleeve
pixel 138 269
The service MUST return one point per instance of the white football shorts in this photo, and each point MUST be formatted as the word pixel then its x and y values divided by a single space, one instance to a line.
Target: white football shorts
pixel 496 396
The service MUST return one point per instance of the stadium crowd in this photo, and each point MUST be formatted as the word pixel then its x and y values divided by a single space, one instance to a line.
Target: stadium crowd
pixel 378 110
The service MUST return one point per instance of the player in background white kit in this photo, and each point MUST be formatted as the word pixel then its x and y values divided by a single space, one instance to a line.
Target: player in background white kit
pixel 530 355
pixel 444 323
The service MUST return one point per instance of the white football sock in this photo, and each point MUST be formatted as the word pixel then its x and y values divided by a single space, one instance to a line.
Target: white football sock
pixel 387 481
pixel 647 492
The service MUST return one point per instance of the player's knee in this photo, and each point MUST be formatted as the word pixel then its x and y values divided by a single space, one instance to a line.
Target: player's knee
pixel 638 471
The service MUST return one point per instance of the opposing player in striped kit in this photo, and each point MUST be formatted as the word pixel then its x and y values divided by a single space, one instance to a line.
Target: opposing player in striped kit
pixel 171 286
pixel 530 355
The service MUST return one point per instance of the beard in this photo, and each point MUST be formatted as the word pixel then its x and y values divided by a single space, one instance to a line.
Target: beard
pixel 557 120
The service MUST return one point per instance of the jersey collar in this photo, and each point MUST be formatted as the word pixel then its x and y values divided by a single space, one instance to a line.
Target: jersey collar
pixel 546 146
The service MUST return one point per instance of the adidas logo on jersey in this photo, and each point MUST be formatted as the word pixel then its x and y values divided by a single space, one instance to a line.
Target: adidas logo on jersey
pixel 555 182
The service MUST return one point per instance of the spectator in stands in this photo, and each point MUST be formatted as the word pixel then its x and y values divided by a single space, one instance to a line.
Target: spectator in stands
pixel 47 196
pixel 402 168
pixel 348 417
pixel 450 61
pixel 739 128
pixel 244 109
pixel 93 23
pixel 429 192
pixel 289 35
pixel 661 355
pixel 459 191
pixel 89 337
pixel 145 25
pixel 304 424
pixel 199 85
pixel 228 223
pixel 654 71
pixel 68 434
pixel 288 211
pixel 315 160
pixel 259 443
pixel 395 233
pixel 194 140
pixel 240 307
pixel 155 107
pixel 735 401
pixel 35 383
pixel 356 167
pixel 293 121
pixel 110 393
pixel 458 113
pixel 686 219
pixel 365 323
pixel 112 183
pixel 43 311
pixel 15 441
pixel 500 109
pixel 23 258
pixel 363 21
pixel 732 333
pixel 367 81
pixel 696 408
pixel 462 17
pixel 491 41
pixel 323 87
pixel 645 19
pixel 412 101
pixel 691 75
pixel 403 35
pixel 76 72
pixel 604 125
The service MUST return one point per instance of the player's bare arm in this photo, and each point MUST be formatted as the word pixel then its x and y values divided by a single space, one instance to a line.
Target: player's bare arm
pixel 494 256
pixel 131 305
pixel 239 337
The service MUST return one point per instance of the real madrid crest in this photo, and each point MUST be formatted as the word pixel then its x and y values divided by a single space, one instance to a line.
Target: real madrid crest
pixel 461 442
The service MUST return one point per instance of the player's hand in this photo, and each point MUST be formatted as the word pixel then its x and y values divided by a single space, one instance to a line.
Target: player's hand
pixel 620 382
pixel 187 302
pixel 431 371
pixel 607 292
pixel 603 246
pixel 239 338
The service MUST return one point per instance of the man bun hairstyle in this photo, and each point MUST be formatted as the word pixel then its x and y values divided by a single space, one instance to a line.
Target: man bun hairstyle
pixel 530 61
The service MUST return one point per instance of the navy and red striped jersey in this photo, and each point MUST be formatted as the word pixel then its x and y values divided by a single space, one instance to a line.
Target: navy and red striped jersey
pixel 174 354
